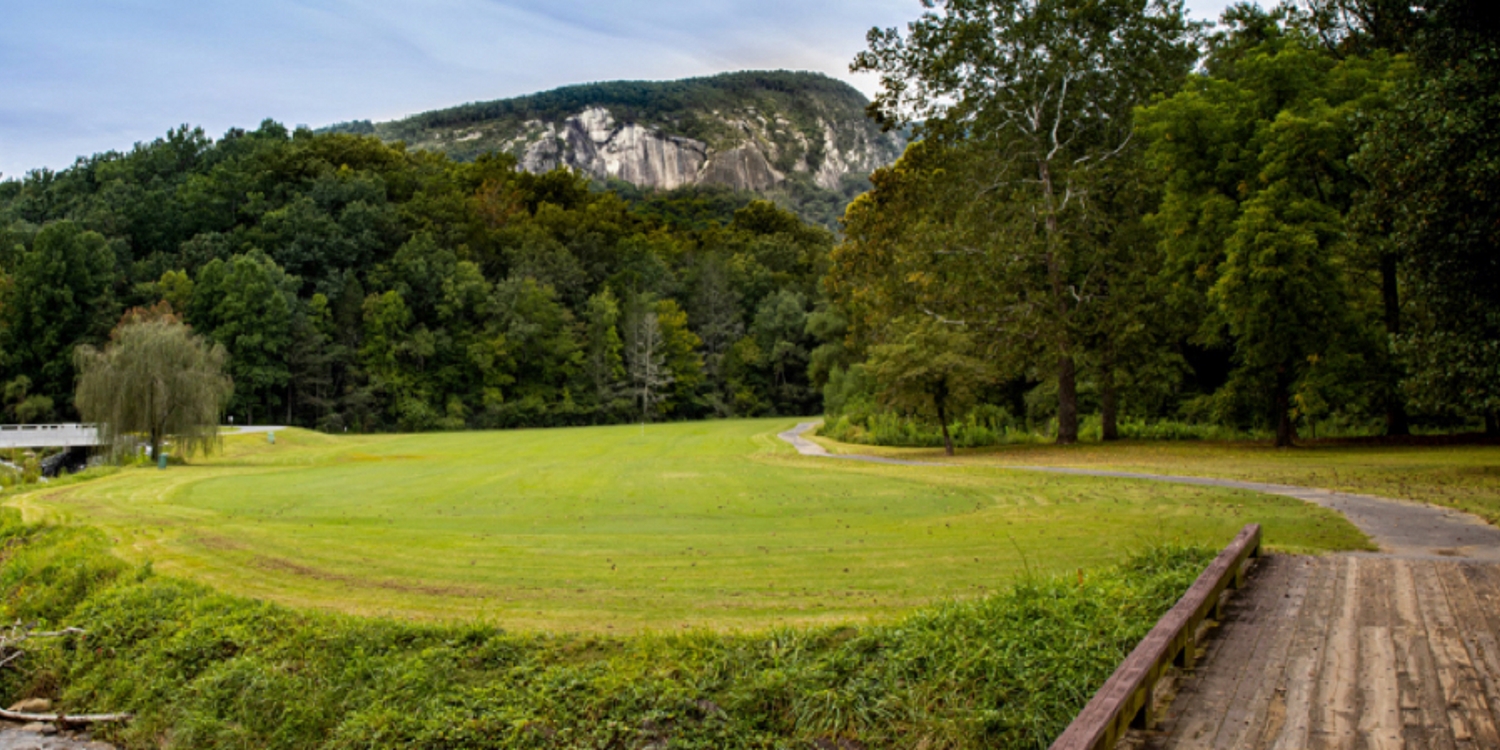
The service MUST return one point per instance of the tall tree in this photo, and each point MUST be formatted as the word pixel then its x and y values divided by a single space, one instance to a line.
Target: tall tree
pixel 715 315
pixel 604 360
pixel 646 358
pixel 59 296
pixel 683 360
pixel 1254 156
pixel 245 304
pixel 1433 163
pixel 157 378
pixel 927 367
pixel 1041 91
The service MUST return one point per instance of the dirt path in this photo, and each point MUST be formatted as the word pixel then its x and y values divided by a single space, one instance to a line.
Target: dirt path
pixel 1401 528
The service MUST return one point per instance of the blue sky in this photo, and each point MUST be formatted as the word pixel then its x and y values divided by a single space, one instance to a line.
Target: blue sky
pixel 83 77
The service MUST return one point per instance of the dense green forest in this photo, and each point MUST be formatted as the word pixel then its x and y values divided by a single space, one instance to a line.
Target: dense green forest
pixel 1115 218
pixel 1115 222
pixel 361 286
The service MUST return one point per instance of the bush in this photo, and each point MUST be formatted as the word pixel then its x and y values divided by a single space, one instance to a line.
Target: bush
pixel 205 670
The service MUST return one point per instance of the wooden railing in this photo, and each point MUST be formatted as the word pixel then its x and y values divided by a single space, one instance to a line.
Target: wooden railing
pixel 1126 698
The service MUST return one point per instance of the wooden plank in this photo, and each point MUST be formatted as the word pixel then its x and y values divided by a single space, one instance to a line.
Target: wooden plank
pixel 1251 707
pixel 1334 713
pixel 1477 631
pixel 1484 581
pixel 1292 729
pixel 1106 717
pixel 1423 714
pixel 1303 631
pixel 1468 713
pixel 1380 721
pixel 1235 656
pixel 1276 603
pixel 1380 690
pixel 1383 653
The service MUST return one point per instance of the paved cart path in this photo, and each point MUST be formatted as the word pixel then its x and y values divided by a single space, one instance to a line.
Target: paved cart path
pixel 1399 527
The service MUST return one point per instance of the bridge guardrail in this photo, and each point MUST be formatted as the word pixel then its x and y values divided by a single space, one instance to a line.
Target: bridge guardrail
pixel 32 427
pixel 17 436
pixel 1125 700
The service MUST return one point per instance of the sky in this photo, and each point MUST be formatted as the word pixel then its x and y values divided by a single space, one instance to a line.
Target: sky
pixel 86 77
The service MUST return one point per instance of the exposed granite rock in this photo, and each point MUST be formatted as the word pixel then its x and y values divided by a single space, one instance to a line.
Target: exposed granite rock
pixel 593 142
pixel 750 131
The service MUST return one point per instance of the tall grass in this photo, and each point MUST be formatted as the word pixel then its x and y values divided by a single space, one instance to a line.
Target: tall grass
pixel 977 430
pixel 208 670
pixel 980 427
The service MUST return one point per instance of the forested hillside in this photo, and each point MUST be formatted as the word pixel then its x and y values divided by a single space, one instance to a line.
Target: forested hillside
pixel 360 286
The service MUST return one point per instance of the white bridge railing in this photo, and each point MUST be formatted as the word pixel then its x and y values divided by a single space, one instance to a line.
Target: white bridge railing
pixel 48 435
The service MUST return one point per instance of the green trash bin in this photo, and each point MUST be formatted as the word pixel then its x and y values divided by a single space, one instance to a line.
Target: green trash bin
pixel 271 438
pixel 161 461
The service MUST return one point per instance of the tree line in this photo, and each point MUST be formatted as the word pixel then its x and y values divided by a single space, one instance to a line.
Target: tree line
pixel 1109 212
pixel 1283 220
pixel 355 285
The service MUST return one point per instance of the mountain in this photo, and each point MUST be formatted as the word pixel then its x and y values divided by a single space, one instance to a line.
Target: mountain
pixel 802 138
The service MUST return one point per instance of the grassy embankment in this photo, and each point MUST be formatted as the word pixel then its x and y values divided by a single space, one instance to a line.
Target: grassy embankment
pixel 1466 477
pixel 712 524
pixel 202 669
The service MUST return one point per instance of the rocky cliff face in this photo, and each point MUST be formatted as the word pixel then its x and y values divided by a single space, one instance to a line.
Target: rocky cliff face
pixel 748 131
pixel 594 142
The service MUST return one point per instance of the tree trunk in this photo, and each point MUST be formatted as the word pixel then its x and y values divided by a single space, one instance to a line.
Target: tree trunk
pixel 1109 398
pixel 1067 377
pixel 943 421
pixel 1067 401
pixel 155 434
pixel 1396 422
pixel 1286 432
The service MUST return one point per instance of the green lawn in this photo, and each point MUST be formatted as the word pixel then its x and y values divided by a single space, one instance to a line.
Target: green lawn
pixel 707 524
pixel 1466 477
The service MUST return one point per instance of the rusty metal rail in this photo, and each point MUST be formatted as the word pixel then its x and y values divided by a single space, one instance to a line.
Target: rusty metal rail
pixel 1125 700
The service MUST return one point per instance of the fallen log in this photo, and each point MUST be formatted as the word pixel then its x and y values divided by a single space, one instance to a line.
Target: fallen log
pixel 74 719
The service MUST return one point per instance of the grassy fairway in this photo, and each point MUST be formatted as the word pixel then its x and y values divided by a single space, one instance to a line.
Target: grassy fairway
pixel 1466 477
pixel 712 524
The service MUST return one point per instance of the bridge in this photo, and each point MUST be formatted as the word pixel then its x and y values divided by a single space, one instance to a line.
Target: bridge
pixel 1397 649
pixel 48 436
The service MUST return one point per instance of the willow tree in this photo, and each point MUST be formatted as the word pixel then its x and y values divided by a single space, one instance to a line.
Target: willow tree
pixel 154 378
